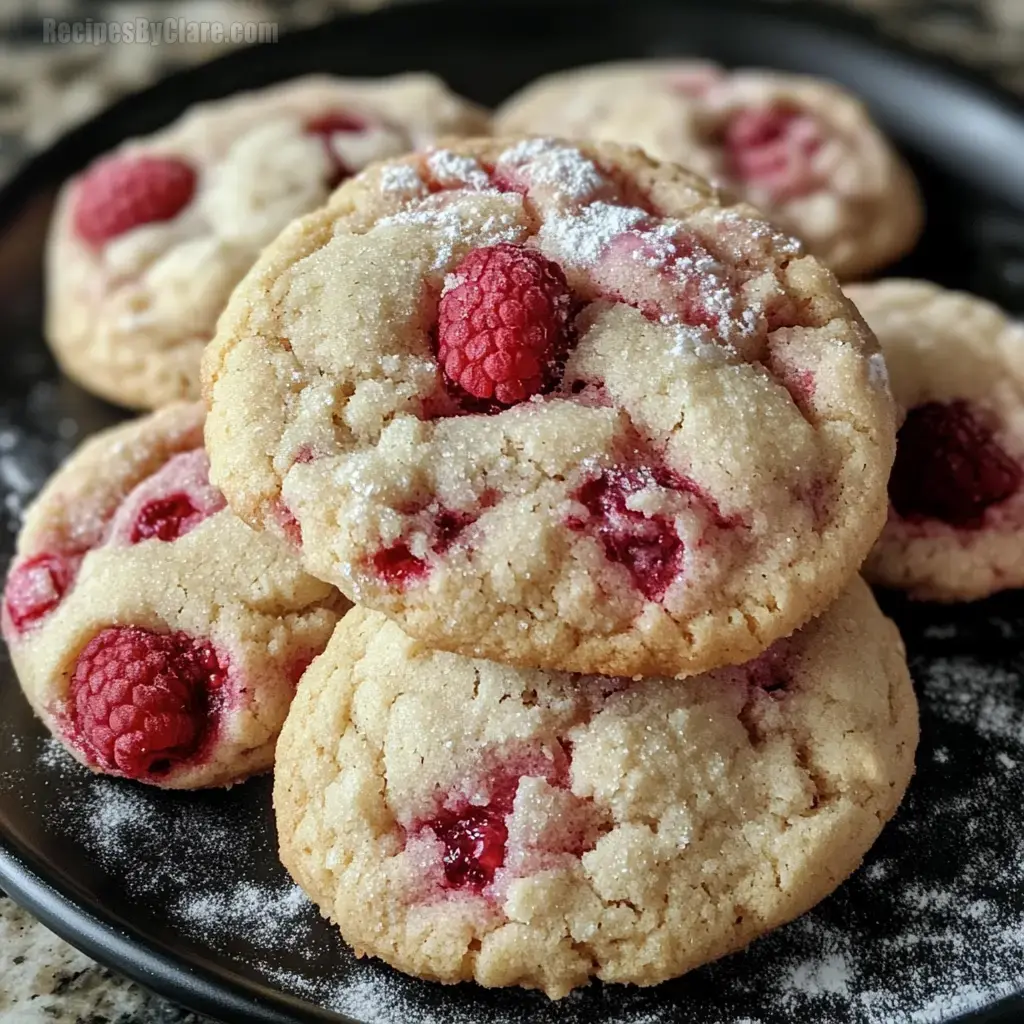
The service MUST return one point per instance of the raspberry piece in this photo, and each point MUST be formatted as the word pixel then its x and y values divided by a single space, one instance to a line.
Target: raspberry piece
pixel 648 546
pixel 398 566
pixel 165 519
pixel 949 466
pixel 772 147
pixel 327 125
pixel 502 323
pixel 36 586
pixel 474 845
pixel 124 192
pixel 141 702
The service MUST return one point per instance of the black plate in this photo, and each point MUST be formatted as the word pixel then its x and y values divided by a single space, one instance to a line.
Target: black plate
pixel 184 892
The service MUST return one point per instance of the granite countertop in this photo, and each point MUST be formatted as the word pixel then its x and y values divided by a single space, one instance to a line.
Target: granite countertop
pixel 45 88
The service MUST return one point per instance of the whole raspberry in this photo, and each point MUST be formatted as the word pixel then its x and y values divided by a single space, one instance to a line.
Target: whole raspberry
pixel 140 701
pixel 949 466
pixel 36 586
pixel 125 192
pixel 502 323
pixel 773 147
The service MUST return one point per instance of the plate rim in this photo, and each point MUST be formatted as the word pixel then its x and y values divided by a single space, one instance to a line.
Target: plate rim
pixel 115 944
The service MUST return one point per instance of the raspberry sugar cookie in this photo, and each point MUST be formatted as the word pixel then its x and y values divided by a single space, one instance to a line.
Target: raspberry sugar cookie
pixel 801 149
pixel 154 633
pixel 556 406
pixel 957 488
pixel 148 242
pixel 465 820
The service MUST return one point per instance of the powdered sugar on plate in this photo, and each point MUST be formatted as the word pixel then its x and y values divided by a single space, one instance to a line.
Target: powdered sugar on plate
pixel 930 928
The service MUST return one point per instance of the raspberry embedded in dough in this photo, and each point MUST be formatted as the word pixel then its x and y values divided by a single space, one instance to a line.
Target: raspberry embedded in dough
pixel 773 148
pixel 35 586
pixel 142 703
pixel 647 544
pixel 120 193
pixel 949 466
pixel 502 323
pixel 168 504
pixel 433 528
pixel 326 126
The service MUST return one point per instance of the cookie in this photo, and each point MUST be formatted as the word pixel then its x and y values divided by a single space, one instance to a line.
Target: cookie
pixel 147 243
pixel 463 820
pixel 956 496
pixel 802 149
pixel 557 406
pixel 154 633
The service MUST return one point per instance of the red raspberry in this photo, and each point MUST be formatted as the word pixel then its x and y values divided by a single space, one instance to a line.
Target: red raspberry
pixel 141 701
pixel 474 845
pixel 474 835
pixel 648 546
pixel 36 586
pixel 772 147
pixel 125 192
pixel 949 466
pixel 502 325
pixel 166 518
pixel 327 125
pixel 397 565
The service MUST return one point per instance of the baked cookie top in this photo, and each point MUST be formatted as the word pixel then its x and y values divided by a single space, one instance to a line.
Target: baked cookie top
pixel 802 149
pixel 148 242
pixel 464 820
pixel 957 487
pixel 554 405
pixel 154 633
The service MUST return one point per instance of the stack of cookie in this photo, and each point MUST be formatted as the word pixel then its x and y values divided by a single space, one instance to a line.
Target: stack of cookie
pixel 598 454
pixel 586 446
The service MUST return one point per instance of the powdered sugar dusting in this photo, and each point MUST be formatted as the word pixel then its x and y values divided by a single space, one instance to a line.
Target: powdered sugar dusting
pixel 453 170
pixel 580 237
pixel 452 221
pixel 547 163
pixel 401 179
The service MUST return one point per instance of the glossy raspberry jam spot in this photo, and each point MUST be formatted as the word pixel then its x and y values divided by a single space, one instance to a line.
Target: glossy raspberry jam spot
pixel 164 518
pixel 773 148
pixel 503 324
pixel 474 835
pixel 647 546
pixel 328 125
pixel 949 466
pixel 35 587
pixel 167 504
pixel 398 566
pixel 142 703
pixel 120 193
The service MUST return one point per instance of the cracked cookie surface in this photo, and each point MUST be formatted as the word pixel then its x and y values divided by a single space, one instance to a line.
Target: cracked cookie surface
pixel 465 820
pixel 154 633
pixel 147 243
pixel 802 149
pixel 957 488
pixel 554 404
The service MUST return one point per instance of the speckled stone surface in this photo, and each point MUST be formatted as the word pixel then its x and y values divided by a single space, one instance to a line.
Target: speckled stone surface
pixel 45 88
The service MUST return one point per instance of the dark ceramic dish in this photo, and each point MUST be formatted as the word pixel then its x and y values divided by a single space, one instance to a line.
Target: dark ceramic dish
pixel 184 892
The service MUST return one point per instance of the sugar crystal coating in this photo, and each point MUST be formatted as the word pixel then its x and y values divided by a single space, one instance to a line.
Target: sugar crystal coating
pixel 508 331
